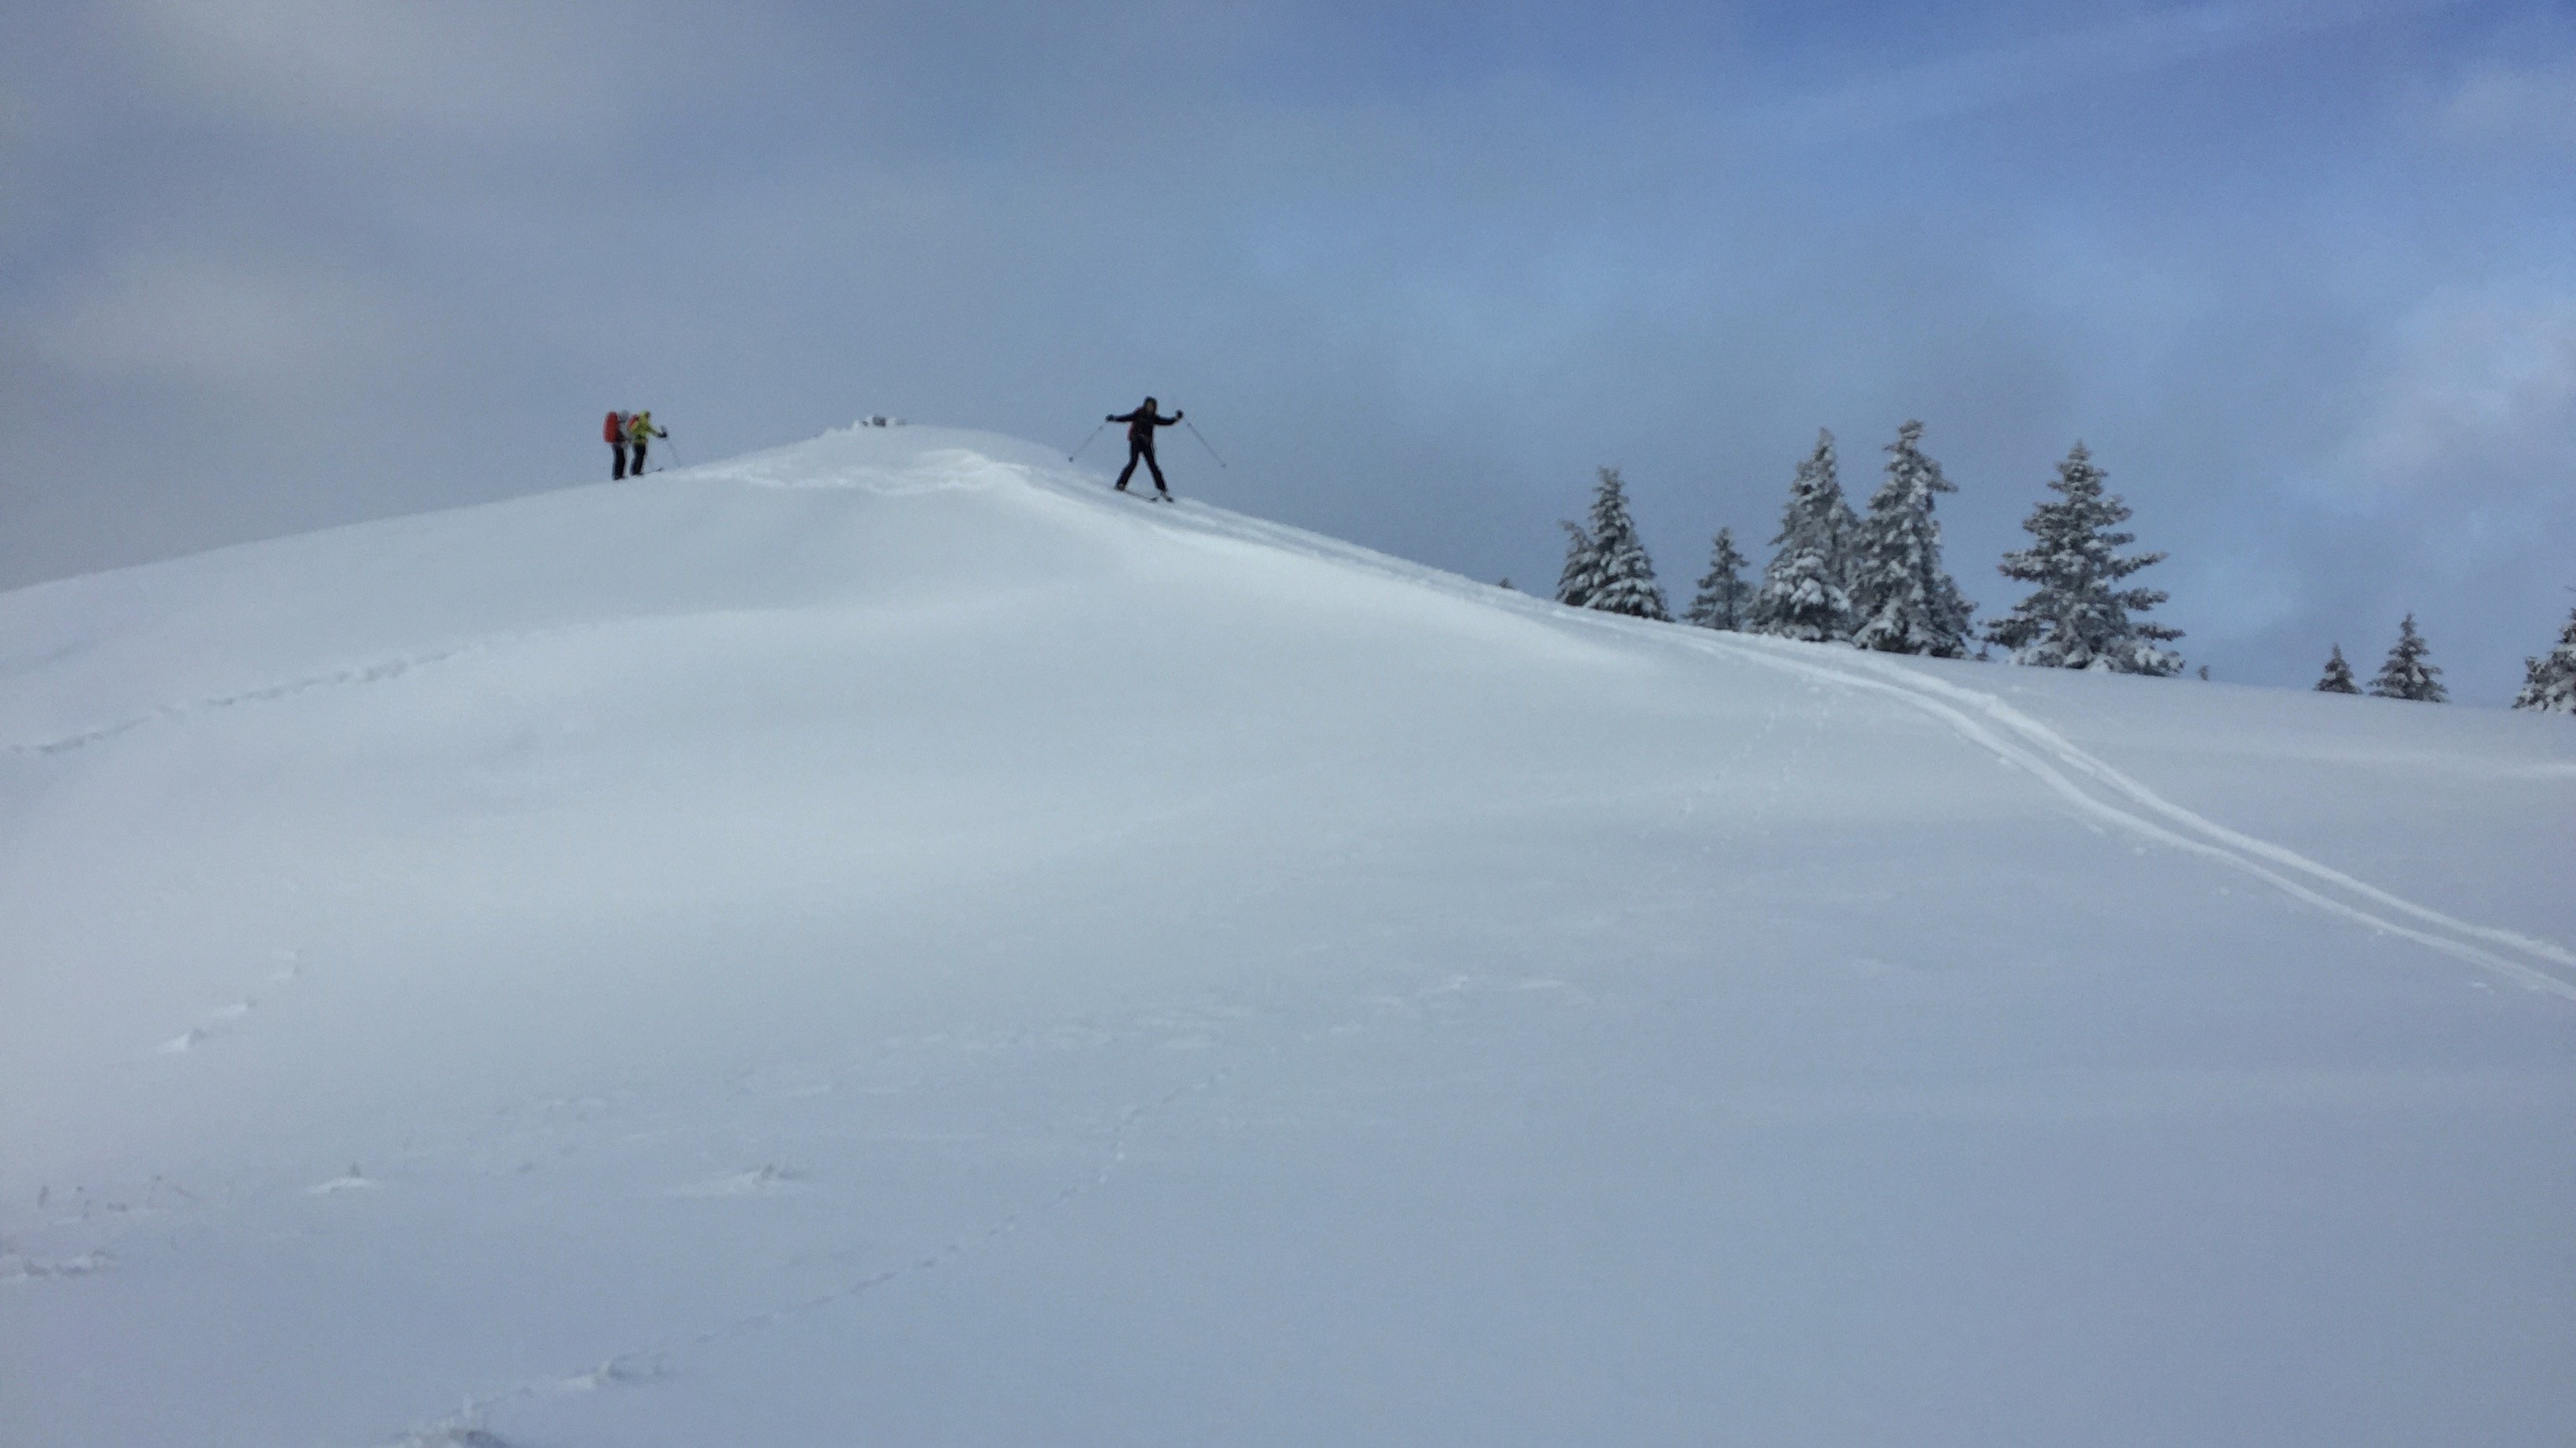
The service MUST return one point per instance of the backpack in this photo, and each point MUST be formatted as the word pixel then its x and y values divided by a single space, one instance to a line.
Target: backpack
pixel 615 430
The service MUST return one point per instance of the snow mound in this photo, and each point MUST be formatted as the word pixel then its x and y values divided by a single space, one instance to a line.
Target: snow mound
pixel 1216 983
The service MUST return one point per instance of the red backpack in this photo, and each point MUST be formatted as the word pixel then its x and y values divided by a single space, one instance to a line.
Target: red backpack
pixel 615 430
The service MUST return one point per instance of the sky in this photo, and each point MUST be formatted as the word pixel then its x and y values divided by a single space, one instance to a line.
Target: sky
pixel 2298 273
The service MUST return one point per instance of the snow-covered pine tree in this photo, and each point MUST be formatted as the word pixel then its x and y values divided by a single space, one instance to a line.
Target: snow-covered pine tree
pixel 2338 678
pixel 2406 675
pixel 2549 682
pixel 1582 571
pixel 1802 594
pixel 1606 566
pixel 2074 617
pixel 1843 527
pixel 1905 600
pixel 1723 593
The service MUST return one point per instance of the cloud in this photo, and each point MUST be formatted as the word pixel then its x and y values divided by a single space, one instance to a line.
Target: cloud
pixel 2513 108
pixel 195 320
pixel 2067 60
pixel 2476 391
pixel 461 69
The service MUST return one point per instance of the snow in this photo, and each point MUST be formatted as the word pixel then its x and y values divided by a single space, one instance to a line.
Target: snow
pixel 883 941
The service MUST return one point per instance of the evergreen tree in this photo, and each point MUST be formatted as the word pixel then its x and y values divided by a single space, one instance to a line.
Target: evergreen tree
pixel 1906 602
pixel 2338 679
pixel 1606 566
pixel 1802 594
pixel 2549 682
pixel 2406 675
pixel 1724 596
pixel 2074 617
pixel 1842 526
pixel 1582 572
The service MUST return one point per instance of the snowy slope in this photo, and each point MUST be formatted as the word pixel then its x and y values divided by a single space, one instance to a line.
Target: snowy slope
pixel 881 941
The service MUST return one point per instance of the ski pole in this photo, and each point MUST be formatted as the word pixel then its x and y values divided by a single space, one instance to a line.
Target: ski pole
pixel 1087 442
pixel 674 452
pixel 1203 442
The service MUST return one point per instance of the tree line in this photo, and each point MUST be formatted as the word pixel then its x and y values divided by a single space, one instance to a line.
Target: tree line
pixel 1876 581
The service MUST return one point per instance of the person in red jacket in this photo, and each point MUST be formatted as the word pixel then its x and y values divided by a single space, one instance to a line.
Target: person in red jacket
pixel 1140 444
pixel 615 433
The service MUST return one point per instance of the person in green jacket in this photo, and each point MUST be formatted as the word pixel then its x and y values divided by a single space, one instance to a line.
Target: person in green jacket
pixel 639 431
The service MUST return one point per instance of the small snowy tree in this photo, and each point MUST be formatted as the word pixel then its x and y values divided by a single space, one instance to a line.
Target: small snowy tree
pixel 1802 594
pixel 1724 596
pixel 1606 566
pixel 2406 675
pixel 2075 618
pixel 2338 678
pixel 1906 602
pixel 2549 682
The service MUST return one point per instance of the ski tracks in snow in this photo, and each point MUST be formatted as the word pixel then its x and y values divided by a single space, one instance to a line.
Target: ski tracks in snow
pixel 650 1362
pixel 2097 790
pixel 1171 1027
pixel 351 676
pixel 180 713
pixel 224 1019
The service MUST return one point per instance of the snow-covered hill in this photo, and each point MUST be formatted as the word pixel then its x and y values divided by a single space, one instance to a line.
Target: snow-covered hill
pixel 885 942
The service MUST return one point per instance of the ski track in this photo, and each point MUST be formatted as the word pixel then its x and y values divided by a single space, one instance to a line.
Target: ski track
pixel 648 1362
pixel 224 1020
pixel 102 1217
pixel 469 1423
pixel 2033 747
pixel 2092 765
pixel 2015 738
pixel 374 673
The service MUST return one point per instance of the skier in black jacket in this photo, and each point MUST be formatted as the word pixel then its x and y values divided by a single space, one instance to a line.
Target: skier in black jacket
pixel 1140 444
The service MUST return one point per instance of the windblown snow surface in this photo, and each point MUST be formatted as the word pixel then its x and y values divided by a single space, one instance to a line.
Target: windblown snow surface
pixel 884 941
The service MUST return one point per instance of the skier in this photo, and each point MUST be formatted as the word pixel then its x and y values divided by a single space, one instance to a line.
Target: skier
pixel 614 432
pixel 1140 444
pixel 640 431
